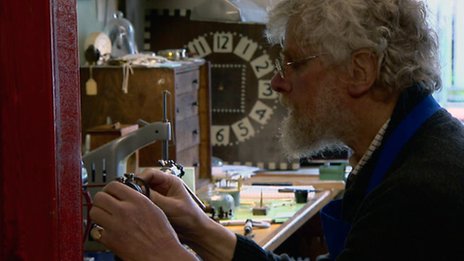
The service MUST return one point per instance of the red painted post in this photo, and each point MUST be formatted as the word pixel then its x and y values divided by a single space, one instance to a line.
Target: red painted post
pixel 40 131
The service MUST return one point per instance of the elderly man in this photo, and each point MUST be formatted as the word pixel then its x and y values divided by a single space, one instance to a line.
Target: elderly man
pixel 355 73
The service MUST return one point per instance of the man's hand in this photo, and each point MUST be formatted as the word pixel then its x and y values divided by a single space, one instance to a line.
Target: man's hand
pixel 169 194
pixel 133 227
pixel 209 239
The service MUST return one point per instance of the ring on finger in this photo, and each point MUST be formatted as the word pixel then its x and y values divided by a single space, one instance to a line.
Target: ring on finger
pixel 96 232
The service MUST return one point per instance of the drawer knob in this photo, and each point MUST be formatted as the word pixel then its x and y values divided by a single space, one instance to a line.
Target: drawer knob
pixel 161 81
pixel 195 132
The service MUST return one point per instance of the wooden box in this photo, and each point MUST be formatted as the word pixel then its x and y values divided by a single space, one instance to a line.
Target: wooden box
pixel 188 108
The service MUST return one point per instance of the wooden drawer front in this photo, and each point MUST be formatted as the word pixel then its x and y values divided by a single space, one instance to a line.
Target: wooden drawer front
pixel 188 157
pixel 187 133
pixel 187 81
pixel 186 105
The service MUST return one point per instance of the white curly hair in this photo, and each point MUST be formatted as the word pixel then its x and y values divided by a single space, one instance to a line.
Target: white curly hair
pixel 396 30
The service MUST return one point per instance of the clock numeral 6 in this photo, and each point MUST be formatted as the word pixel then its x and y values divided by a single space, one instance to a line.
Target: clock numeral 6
pixel 220 135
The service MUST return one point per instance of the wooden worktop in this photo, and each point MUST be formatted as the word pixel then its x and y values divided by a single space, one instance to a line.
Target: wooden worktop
pixel 271 238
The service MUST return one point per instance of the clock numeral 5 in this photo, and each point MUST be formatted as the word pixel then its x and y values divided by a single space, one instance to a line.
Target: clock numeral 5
pixel 243 129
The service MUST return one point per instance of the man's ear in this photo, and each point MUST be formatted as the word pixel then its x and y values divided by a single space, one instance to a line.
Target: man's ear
pixel 362 72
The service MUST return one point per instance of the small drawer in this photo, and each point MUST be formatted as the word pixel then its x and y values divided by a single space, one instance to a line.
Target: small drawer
pixel 187 81
pixel 190 158
pixel 187 133
pixel 186 105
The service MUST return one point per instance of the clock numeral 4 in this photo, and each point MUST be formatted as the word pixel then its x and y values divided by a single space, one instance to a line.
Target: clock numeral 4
pixel 261 112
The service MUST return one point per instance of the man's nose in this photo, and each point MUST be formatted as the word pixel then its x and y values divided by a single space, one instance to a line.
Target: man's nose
pixel 279 84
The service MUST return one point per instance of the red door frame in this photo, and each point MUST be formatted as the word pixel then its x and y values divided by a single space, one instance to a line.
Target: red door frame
pixel 40 198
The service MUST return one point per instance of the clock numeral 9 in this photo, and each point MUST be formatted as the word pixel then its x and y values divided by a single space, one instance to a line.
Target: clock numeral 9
pixel 243 129
pixel 220 135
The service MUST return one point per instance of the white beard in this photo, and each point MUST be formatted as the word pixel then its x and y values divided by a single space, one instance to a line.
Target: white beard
pixel 306 133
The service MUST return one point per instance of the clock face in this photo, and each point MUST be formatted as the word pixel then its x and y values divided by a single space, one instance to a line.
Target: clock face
pixel 246 113
pixel 243 100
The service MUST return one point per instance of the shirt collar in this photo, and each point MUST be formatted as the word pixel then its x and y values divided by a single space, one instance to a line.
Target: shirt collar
pixel 372 147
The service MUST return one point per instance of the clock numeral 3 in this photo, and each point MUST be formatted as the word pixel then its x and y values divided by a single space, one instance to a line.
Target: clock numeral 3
pixel 265 90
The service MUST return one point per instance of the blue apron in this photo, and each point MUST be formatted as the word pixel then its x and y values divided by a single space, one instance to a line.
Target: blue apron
pixel 335 228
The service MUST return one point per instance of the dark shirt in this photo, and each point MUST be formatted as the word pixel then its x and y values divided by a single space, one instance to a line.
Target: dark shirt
pixel 417 212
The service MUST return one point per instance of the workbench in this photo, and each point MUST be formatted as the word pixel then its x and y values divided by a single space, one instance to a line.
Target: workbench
pixel 271 238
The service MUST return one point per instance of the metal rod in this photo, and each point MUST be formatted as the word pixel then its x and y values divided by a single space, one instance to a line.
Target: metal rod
pixel 194 197
pixel 165 143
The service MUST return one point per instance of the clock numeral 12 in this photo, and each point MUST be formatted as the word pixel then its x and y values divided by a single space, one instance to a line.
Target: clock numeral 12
pixel 222 42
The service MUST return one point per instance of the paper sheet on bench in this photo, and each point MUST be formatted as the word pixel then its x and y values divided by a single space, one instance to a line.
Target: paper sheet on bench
pixel 270 192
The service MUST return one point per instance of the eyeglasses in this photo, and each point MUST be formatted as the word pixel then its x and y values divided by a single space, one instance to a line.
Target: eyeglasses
pixel 282 66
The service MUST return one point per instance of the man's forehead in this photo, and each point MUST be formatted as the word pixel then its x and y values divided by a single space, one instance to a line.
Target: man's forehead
pixel 292 47
pixel 277 51
pixel 291 42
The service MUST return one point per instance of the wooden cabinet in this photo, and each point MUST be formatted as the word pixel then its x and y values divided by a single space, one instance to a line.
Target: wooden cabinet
pixel 188 108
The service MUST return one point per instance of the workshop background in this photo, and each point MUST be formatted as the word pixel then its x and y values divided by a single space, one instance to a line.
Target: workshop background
pixel 41 54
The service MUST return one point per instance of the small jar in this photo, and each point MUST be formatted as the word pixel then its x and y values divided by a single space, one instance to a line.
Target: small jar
pixel 222 203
